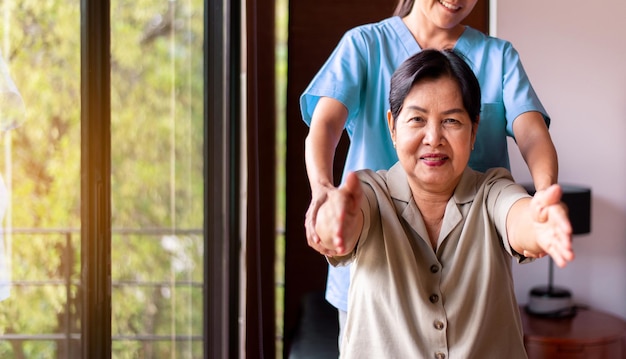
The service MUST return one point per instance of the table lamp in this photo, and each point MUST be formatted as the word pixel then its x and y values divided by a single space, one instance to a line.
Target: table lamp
pixel 551 301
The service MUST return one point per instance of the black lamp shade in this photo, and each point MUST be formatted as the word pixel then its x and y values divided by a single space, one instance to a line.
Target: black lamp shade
pixel 578 201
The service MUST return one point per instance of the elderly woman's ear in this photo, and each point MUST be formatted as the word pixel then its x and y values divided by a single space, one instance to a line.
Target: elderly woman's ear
pixel 392 127
pixel 475 131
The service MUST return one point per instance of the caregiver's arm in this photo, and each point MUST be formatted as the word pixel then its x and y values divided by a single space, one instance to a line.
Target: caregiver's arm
pixel 327 123
pixel 535 145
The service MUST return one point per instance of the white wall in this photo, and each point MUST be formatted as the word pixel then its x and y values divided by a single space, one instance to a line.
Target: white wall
pixel 575 54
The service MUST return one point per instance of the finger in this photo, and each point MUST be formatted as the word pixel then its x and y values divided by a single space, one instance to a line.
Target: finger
pixel 328 252
pixel 561 254
pixel 562 228
pixel 558 260
pixel 341 204
pixel 552 195
pixel 338 242
pixel 351 193
pixel 551 250
pixel 566 227
pixel 529 254
pixel 311 221
pixel 564 246
pixel 542 200
pixel 320 248
pixel 352 185
pixel 339 245
pixel 311 235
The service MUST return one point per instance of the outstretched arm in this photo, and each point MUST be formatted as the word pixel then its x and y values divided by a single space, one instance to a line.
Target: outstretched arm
pixel 340 219
pixel 327 123
pixel 540 226
pixel 537 149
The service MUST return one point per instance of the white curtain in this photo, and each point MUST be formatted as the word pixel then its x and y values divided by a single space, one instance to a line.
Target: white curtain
pixel 12 113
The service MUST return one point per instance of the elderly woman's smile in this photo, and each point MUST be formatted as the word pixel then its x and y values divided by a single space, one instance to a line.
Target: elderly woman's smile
pixel 434 159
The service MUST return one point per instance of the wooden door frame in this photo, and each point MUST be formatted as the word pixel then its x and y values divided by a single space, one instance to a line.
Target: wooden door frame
pixel 260 63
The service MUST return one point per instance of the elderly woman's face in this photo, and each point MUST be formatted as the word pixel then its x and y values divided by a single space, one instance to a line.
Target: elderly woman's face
pixel 433 134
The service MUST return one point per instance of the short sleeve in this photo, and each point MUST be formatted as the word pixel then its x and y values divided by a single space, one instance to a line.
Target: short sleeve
pixel 518 94
pixel 502 193
pixel 340 77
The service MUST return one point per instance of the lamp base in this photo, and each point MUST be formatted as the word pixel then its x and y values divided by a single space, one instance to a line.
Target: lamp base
pixel 550 302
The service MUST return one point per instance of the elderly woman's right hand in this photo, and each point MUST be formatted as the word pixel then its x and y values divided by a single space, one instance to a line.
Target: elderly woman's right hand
pixel 339 220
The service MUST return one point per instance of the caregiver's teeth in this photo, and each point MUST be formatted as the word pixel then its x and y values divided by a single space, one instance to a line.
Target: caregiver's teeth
pixel 448 5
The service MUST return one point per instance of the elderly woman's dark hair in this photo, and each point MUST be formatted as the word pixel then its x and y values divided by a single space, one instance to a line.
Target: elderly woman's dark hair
pixel 403 8
pixel 435 64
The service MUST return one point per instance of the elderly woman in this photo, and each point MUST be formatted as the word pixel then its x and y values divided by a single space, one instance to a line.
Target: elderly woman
pixel 430 240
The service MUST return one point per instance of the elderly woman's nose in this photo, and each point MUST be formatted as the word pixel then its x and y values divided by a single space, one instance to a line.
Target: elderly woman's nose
pixel 432 134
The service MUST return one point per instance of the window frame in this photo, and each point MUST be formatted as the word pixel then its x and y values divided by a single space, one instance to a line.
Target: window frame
pixel 222 103
pixel 221 151
pixel 95 179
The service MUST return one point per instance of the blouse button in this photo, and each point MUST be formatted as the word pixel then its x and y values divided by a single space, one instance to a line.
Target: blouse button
pixel 434 268
pixel 440 355
pixel 438 325
pixel 434 298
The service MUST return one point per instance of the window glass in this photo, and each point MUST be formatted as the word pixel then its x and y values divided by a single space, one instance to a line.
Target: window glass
pixel 157 178
pixel 40 171
pixel 156 182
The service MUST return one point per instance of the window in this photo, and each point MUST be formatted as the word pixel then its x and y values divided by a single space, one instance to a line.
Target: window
pixel 157 200
pixel 117 224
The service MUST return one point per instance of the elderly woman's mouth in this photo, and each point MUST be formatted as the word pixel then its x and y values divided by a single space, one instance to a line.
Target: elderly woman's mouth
pixel 433 159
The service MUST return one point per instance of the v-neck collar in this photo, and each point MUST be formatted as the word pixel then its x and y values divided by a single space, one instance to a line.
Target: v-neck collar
pixel 412 46
pixel 399 190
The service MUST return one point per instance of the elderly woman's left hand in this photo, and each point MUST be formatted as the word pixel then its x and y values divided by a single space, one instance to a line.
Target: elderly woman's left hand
pixel 552 227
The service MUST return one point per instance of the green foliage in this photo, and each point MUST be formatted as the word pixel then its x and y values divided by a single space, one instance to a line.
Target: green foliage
pixel 156 181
